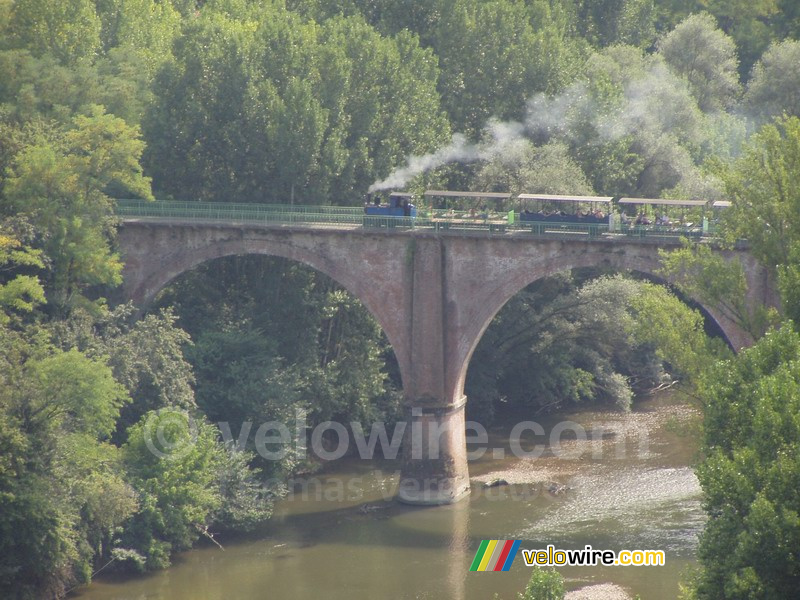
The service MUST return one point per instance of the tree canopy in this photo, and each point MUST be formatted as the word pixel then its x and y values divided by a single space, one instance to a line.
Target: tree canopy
pixel 314 101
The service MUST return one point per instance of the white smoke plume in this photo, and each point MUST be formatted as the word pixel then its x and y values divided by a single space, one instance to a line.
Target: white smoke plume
pixel 458 150
pixel 499 134
pixel 655 104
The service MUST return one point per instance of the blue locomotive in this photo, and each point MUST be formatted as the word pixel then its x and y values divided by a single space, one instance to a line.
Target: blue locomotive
pixel 399 205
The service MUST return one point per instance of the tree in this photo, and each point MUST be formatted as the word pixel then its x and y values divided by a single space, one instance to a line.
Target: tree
pixel 522 167
pixel 608 22
pixel 707 277
pixel 288 111
pixel 19 293
pixel 706 57
pixel 142 26
pixel 69 30
pixel 76 393
pixel 172 461
pixel 676 333
pixel 789 24
pixel 751 472
pixel 146 356
pixel 493 58
pixel 773 87
pixel 747 22
pixel 64 191
pixel 557 343
pixel 185 478
pixel 765 199
pixel 765 204
pixel 632 124
pixel 61 494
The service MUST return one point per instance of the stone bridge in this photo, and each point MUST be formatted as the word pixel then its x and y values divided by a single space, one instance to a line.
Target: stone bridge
pixel 433 292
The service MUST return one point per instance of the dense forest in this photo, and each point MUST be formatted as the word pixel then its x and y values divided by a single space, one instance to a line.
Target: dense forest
pixel 316 102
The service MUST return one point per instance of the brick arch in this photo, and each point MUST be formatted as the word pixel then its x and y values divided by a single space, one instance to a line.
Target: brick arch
pixel 156 256
pixel 518 276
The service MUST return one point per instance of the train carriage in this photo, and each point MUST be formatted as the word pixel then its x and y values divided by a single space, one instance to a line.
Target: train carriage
pixel 580 215
pixel 663 217
pixel 464 210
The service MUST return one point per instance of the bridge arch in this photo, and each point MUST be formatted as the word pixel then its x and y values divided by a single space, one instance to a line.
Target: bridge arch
pixel 155 256
pixel 517 275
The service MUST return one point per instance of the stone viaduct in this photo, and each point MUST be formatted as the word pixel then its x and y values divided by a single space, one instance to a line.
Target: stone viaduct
pixel 433 293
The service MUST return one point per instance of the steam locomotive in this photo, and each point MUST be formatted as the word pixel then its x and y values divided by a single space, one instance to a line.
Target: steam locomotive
pixel 399 205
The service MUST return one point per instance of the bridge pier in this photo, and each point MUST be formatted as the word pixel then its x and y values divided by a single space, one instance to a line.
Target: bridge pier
pixel 434 469
pixel 434 456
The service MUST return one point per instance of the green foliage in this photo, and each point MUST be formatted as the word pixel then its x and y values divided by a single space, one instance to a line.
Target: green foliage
pixel 312 101
pixel 765 204
pixel 772 90
pixel 242 379
pixel 606 22
pixel 185 478
pixel 747 22
pixel 61 495
pixel 289 111
pixel 766 201
pixel 544 584
pixel 558 342
pixel 708 277
pixel 63 190
pixel 751 472
pixel 18 293
pixel 77 393
pixel 68 30
pixel 522 167
pixel 145 27
pixel 631 124
pixel 706 57
pixel 172 461
pixel 493 57
pixel 146 356
pixel 246 500
pixel 675 331
pixel 272 336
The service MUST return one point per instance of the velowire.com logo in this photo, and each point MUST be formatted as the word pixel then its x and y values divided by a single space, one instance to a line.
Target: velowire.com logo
pixel 495 555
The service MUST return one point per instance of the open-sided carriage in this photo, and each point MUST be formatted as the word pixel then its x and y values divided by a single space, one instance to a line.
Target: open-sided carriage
pixel 653 217
pixel 578 215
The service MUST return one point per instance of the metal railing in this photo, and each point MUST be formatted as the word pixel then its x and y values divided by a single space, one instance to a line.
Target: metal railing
pixel 440 221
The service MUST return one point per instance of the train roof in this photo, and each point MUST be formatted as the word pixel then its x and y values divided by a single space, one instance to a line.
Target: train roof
pixel 551 198
pixel 402 194
pixel 721 203
pixel 502 195
pixel 663 202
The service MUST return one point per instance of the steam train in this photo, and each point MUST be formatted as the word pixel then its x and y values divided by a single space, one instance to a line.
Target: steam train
pixel 541 213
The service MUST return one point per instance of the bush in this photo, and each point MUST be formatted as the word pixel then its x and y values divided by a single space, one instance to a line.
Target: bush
pixel 544 584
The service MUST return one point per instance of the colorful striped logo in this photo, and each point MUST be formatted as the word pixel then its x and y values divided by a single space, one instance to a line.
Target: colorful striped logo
pixel 495 555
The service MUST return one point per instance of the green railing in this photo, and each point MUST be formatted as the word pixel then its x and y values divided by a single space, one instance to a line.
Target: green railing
pixel 443 221
pixel 239 211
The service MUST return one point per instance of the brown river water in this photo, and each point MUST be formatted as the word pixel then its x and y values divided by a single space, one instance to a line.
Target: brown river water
pixel 627 485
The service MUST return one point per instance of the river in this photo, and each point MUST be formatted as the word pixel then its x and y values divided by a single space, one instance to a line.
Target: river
pixel 627 485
